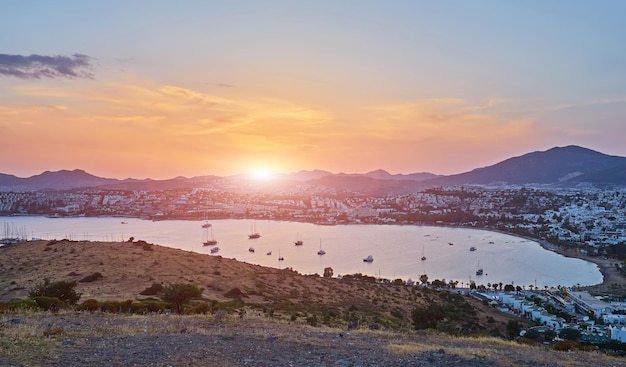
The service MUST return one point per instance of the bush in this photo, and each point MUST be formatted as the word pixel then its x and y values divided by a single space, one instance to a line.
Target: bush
pixel 565 345
pixel 312 320
pixel 62 290
pixel 49 303
pixel 89 305
pixel 91 278
pixel 202 308
pixel 147 306
pixel 22 305
pixel 180 293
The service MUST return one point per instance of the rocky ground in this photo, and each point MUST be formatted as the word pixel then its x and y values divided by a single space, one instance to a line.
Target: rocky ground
pixel 98 339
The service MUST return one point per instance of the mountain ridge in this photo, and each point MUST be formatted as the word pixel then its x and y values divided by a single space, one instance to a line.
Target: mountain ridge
pixel 556 166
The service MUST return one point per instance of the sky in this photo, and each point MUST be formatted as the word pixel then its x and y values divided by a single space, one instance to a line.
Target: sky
pixel 159 89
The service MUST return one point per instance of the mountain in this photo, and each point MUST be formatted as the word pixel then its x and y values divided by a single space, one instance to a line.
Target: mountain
pixel 58 180
pixel 553 166
pixel 381 174
pixel 368 186
pixel 559 165
pixel 611 176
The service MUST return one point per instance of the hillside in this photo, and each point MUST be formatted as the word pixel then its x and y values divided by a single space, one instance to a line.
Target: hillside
pixel 553 166
pixel 268 322
pixel 130 268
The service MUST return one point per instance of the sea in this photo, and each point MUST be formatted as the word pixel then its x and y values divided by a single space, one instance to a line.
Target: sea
pixel 397 250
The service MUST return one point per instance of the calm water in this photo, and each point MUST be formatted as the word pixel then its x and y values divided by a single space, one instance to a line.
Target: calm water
pixel 397 250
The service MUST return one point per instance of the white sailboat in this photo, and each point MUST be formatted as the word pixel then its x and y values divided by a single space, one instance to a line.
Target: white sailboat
pixel 423 255
pixel 321 251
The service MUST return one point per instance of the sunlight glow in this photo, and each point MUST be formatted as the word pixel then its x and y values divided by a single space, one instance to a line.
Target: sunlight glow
pixel 262 174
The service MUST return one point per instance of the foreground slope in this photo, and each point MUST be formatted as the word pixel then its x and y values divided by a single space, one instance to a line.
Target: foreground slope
pixel 251 336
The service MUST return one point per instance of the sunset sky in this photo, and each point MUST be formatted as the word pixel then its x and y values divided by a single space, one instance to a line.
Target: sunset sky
pixel 161 89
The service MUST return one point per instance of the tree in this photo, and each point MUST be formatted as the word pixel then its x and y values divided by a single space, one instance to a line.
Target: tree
pixel 424 278
pixel 180 293
pixel 328 272
pixel 570 334
pixel 63 290
pixel 513 328
pixel 509 288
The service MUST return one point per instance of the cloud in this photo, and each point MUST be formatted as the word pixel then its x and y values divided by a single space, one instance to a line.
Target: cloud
pixel 38 66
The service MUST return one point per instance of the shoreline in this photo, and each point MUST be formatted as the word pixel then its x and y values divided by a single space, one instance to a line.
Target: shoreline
pixel 610 275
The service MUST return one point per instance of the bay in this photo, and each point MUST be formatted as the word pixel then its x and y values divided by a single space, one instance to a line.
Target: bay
pixel 396 249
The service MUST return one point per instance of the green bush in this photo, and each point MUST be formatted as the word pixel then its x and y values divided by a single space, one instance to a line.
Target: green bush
pixel 147 306
pixel 89 305
pixel 180 293
pixel 201 308
pixel 22 305
pixel 49 303
pixel 63 290
pixel 116 306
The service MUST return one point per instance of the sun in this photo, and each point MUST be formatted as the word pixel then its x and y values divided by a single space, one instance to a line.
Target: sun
pixel 262 174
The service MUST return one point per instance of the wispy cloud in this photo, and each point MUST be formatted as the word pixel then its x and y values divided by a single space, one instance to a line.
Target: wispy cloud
pixel 39 66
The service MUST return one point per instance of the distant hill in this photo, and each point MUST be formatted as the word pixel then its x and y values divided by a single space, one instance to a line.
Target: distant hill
pixel 554 166
pixel 610 176
pixel 368 186
pixel 384 175
pixel 560 165
pixel 58 180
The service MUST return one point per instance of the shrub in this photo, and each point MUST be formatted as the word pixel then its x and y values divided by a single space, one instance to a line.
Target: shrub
pixel 91 278
pixel 180 293
pixel 202 308
pixel 312 320
pixel 89 305
pixel 147 306
pixel 565 345
pixel 116 306
pixel 63 290
pixel 22 305
pixel 49 303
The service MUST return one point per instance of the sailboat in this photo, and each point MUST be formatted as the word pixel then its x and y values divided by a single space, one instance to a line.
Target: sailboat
pixel 206 223
pixel 479 271
pixel 298 240
pixel 254 233
pixel 423 255
pixel 321 251
pixel 280 258
pixel 209 241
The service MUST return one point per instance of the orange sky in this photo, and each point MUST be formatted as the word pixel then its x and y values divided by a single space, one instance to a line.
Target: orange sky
pixel 233 88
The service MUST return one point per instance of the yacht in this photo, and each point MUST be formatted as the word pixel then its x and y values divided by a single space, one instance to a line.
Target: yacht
pixel 479 271
pixel 215 250
pixel 321 251
pixel 209 238
pixel 472 248
pixel 298 240
pixel 254 233
pixel 368 259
